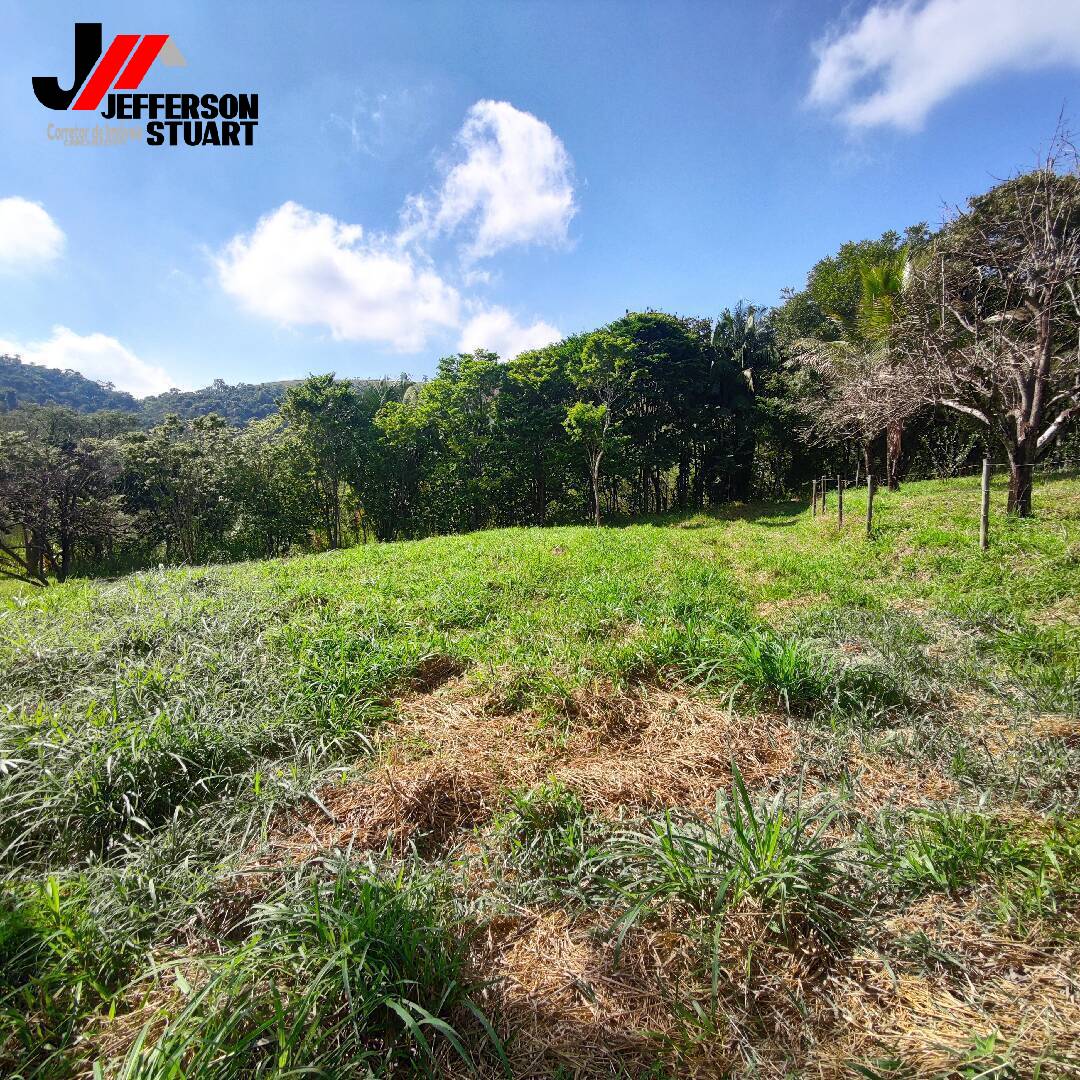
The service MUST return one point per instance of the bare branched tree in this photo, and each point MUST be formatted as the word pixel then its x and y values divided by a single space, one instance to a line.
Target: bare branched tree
pixel 990 320
pixel 853 396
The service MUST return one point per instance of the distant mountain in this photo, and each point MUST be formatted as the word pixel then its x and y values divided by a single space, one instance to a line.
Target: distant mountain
pixel 28 384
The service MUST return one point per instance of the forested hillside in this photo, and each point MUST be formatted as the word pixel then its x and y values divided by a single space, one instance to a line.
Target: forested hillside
pixel 23 385
pixel 30 384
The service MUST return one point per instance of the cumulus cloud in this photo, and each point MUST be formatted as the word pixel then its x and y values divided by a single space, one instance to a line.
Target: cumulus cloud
pixel 98 357
pixel 513 185
pixel 29 237
pixel 498 331
pixel 900 60
pixel 299 267
pixel 510 183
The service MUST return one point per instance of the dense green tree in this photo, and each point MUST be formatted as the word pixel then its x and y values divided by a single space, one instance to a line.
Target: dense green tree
pixel 743 361
pixel 602 372
pixel 324 413
pixel 274 505
pixel 588 426
pixel 458 406
pixel 57 497
pixel 178 481
pixel 841 325
pixel 531 410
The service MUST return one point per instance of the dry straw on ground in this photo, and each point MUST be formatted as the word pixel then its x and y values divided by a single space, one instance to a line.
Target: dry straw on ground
pixel 451 760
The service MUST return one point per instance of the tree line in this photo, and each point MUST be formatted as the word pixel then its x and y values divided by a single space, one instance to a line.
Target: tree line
pixel 915 351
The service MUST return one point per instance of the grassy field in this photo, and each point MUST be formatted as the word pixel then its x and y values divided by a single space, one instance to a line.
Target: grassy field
pixel 715 795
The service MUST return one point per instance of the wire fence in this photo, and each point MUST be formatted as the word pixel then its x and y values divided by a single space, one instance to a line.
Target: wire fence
pixel 837 485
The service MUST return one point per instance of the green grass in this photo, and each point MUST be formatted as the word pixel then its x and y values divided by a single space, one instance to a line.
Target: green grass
pixel 1027 874
pixel 354 973
pixel 156 729
pixel 773 855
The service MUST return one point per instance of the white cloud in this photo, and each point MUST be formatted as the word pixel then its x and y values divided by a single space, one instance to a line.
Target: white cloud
pixel 903 58
pixel 98 357
pixel 299 267
pixel 513 186
pixel 29 237
pixel 498 331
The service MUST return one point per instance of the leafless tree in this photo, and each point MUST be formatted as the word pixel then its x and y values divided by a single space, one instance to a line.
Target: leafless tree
pixel 856 372
pixel 857 391
pixel 990 316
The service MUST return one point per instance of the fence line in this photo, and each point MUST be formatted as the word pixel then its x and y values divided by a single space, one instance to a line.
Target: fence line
pixel 820 486
pixel 968 470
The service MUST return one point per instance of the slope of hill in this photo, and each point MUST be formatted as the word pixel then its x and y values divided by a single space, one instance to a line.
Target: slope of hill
pixel 237 403
pixel 29 384
pixel 459 797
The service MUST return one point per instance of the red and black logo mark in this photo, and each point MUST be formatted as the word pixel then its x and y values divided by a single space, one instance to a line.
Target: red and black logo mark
pixel 123 67
pixel 115 77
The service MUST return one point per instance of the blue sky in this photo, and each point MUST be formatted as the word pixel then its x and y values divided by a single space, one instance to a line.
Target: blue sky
pixel 429 176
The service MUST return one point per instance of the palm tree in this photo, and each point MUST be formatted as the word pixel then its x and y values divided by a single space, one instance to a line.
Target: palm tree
pixel 882 284
pixel 859 363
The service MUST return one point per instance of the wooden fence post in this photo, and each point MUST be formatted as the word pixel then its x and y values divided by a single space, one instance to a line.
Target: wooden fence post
pixel 984 515
pixel 822 486
pixel 839 502
pixel 869 504
pixel 813 496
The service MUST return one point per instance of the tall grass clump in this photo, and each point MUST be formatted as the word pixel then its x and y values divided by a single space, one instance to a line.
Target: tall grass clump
pixel 359 975
pixel 79 787
pixel 544 844
pixel 1026 874
pixel 732 655
pixel 58 964
pixel 772 856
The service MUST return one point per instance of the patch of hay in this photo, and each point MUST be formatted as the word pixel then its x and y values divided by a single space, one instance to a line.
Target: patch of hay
pixel 880 780
pixel 424 802
pixel 148 1005
pixel 450 761
pixel 1053 726
pixel 554 984
pixel 1025 992
pixel 655 749
pixel 776 611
